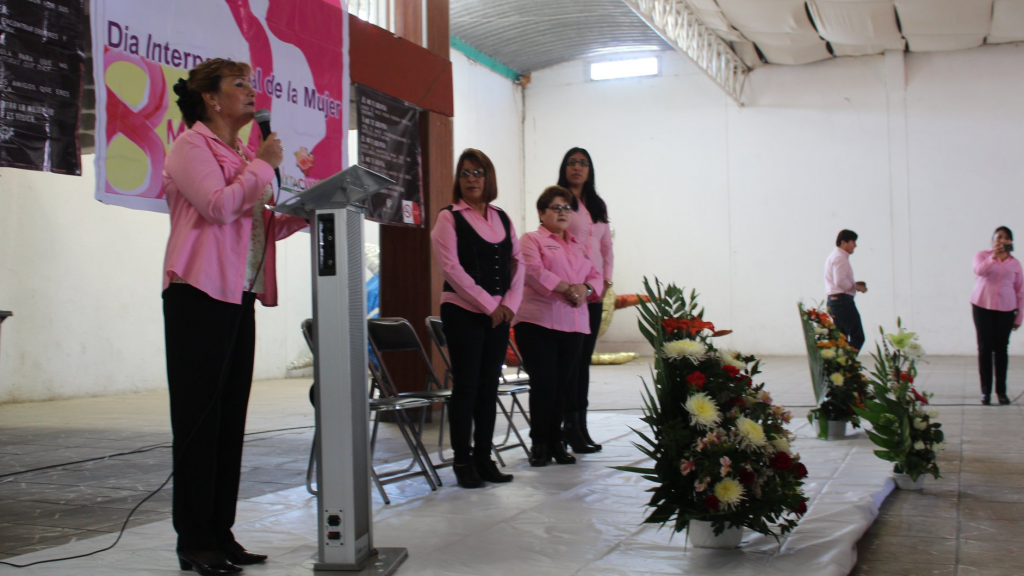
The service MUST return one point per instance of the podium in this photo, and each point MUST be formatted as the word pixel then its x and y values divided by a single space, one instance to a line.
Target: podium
pixel 334 208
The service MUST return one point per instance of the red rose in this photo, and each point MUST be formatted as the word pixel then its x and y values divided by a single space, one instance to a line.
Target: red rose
pixel 696 380
pixel 800 471
pixel 746 380
pixel 918 397
pixel 711 502
pixel 731 370
pixel 746 477
pixel 801 508
pixel 737 401
pixel 781 461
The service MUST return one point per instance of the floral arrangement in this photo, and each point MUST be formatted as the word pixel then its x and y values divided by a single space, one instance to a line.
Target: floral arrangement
pixel 840 385
pixel 720 449
pixel 903 426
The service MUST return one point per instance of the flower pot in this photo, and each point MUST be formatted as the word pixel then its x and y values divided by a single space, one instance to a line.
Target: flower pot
pixel 836 429
pixel 702 535
pixel 904 482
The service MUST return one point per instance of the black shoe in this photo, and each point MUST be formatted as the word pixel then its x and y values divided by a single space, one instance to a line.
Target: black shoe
pixel 573 435
pixel 467 476
pixel 1004 400
pixel 586 433
pixel 240 556
pixel 488 470
pixel 557 451
pixel 539 455
pixel 986 399
pixel 211 563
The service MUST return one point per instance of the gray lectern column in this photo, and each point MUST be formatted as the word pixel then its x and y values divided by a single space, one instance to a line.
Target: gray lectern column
pixel 345 512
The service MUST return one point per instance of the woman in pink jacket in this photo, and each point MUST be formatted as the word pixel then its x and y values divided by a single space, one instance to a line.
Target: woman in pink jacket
pixel 998 306
pixel 219 261
pixel 590 226
pixel 552 319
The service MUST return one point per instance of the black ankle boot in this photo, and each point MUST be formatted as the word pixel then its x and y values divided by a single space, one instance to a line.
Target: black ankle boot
pixel 467 476
pixel 488 470
pixel 539 455
pixel 586 433
pixel 557 451
pixel 573 435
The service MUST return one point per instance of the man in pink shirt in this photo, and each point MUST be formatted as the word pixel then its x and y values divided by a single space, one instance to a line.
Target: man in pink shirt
pixel 840 288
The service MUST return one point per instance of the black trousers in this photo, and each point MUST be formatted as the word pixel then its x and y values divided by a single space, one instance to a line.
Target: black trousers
pixel 844 310
pixel 993 329
pixel 551 358
pixel 477 352
pixel 210 348
pixel 578 391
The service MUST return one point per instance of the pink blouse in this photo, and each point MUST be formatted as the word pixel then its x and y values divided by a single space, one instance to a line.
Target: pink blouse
pixel 1000 284
pixel 597 238
pixel 550 260
pixel 210 192
pixel 468 294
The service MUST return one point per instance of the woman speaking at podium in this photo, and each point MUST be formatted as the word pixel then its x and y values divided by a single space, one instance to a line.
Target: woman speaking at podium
pixel 219 261
pixel 476 246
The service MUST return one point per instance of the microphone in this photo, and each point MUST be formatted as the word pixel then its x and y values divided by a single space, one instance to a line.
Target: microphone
pixel 263 121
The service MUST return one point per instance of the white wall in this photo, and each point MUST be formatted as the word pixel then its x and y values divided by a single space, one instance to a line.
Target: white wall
pixel 744 203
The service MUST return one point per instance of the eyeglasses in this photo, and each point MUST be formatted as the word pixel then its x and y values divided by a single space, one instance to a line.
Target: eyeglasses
pixel 559 208
pixel 580 163
pixel 478 173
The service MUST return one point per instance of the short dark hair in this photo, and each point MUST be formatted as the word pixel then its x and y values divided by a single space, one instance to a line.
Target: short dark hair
pixel 490 178
pixel 1009 232
pixel 549 194
pixel 845 236
pixel 204 79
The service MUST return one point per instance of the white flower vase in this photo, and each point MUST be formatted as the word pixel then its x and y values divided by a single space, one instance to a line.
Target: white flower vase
pixel 836 429
pixel 904 482
pixel 702 535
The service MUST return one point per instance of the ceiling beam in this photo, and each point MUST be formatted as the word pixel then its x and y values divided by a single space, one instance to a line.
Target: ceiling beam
pixel 680 27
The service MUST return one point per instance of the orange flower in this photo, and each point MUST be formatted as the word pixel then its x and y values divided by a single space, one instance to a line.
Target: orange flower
pixel 690 325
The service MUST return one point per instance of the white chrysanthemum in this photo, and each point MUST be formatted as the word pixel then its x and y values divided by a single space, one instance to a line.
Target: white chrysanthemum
pixel 933 413
pixel 731 358
pixel 828 353
pixel 729 492
pixel 751 433
pixel 685 347
pixel 920 424
pixel 703 410
pixel 837 379
pixel 820 330
pixel 842 361
pixel 919 445
pixel 781 444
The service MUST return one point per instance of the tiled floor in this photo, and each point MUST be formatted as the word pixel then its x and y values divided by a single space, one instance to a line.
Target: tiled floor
pixel 969 522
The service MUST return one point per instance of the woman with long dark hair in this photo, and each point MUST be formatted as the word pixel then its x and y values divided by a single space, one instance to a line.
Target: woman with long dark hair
pixel 997 304
pixel 589 225
pixel 220 259
pixel 476 246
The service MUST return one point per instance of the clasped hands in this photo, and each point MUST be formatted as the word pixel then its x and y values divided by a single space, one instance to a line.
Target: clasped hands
pixel 501 315
pixel 576 294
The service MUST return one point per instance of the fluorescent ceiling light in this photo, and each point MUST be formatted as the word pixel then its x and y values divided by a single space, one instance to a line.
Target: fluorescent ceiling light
pixel 613 69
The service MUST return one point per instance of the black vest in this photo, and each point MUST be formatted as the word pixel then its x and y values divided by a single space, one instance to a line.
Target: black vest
pixel 487 263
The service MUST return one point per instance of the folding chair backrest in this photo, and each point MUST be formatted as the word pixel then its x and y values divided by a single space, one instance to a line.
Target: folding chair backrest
pixel 436 330
pixel 397 335
pixel 307 332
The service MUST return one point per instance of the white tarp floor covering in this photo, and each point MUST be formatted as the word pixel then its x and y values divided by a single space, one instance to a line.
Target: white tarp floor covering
pixel 557 520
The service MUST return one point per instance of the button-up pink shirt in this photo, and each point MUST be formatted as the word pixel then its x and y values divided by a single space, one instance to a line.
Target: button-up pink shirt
pixel 597 237
pixel 1000 284
pixel 210 192
pixel 468 294
pixel 839 273
pixel 550 260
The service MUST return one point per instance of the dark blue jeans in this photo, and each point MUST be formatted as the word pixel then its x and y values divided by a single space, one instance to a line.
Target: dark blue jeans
pixel 847 318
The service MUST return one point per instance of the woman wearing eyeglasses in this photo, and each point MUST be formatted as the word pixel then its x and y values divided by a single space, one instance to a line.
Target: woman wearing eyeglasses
pixel 552 319
pixel 589 225
pixel 476 246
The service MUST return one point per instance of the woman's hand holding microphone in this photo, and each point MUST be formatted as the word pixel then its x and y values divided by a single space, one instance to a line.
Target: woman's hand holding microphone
pixel 271 151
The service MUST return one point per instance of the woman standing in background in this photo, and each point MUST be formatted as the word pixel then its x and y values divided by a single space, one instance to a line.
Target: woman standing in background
pixel 589 225
pixel 997 304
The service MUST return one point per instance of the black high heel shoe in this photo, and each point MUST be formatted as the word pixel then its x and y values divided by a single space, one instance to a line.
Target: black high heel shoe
pixel 539 455
pixel 573 435
pixel 1004 400
pixel 240 556
pixel 210 563
pixel 557 451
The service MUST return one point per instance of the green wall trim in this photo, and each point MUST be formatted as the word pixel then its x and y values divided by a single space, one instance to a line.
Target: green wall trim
pixel 478 56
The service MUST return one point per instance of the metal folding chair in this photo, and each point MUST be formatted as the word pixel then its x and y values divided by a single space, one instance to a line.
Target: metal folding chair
pixel 508 389
pixel 397 405
pixel 397 335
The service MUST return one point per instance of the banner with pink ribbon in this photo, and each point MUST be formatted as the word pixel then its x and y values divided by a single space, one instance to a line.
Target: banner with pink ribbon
pixel 298 51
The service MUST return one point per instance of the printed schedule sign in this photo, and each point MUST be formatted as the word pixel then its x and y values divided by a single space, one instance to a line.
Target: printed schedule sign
pixel 389 144
pixel 298 51
pixel 41 64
